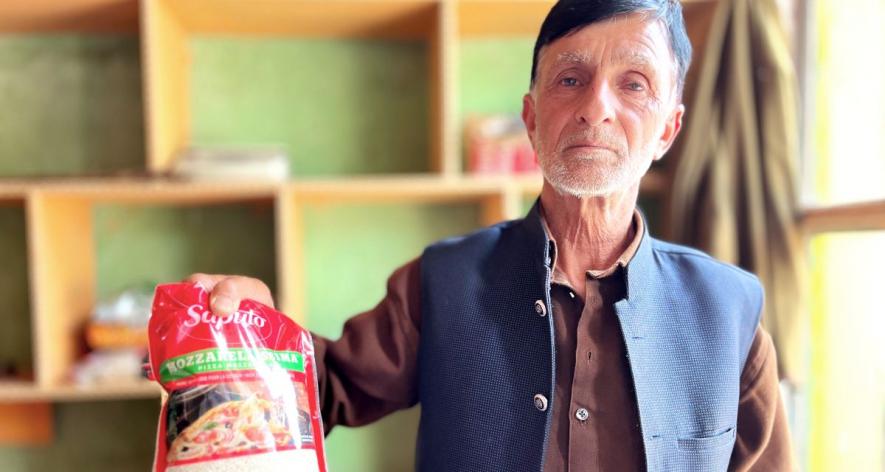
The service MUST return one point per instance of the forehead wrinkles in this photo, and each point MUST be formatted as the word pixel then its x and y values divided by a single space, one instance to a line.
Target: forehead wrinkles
pixel 628 56
pixel 640 50
pixel 573 57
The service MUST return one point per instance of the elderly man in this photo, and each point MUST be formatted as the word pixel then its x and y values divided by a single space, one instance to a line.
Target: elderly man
pixel 570 339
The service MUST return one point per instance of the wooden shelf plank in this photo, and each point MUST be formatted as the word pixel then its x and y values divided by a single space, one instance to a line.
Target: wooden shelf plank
pixel 14 392
pixel 445 155
pixel 502 17
pixel 290 267
pixel 311 18
pixel 850 217
pixel 504 206
pixel 12 192
pixel 379 187
pixel 159 191
pixel 62 274
pixel 86 16
pixel 27 423
pixel 166 78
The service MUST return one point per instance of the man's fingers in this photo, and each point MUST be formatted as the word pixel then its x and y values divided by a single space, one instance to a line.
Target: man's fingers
pixel 208 281
pixel 227 294
pixel 225 298
pixel 227 291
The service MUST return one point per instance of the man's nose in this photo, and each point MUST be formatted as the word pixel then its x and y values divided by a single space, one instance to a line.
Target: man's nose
pixel 596 105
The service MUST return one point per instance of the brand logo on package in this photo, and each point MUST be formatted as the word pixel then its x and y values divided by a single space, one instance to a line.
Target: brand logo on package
pixel 227 325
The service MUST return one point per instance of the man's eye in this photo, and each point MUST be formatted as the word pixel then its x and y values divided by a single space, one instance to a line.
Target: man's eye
pixel 635 86
pixel 569 82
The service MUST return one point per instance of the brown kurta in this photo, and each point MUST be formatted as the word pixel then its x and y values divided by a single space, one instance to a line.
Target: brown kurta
pixel 372 371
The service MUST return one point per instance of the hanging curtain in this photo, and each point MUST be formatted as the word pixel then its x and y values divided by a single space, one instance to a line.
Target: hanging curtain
pixel 734 178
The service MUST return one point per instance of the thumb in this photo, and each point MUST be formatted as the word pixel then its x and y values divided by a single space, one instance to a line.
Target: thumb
pixel 225 298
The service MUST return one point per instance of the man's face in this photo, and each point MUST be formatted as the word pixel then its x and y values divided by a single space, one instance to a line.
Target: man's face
pixel 604 105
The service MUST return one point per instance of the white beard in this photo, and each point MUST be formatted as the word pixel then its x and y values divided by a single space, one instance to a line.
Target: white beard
pixel 573 176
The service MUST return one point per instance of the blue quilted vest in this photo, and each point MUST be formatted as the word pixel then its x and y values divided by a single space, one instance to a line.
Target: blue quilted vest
pixel 688 321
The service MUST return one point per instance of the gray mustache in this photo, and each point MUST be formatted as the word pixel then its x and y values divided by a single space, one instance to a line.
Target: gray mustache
pixel 597 136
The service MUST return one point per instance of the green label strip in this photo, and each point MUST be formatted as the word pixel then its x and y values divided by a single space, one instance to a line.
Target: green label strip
pixel 220 360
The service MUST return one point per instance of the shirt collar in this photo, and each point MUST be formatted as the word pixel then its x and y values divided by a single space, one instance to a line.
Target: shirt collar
pixel 622 261
pixel 642 270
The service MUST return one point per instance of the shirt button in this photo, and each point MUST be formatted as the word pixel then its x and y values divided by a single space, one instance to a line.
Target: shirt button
pixel 540 402
pixel 582 414
pixel 540 308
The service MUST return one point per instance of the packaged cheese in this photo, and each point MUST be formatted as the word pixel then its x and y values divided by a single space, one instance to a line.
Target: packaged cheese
pixel 240 390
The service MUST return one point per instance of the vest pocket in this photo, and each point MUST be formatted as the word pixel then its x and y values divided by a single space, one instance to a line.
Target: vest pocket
pixel 711 453
pixel 725 438
pixel 707 454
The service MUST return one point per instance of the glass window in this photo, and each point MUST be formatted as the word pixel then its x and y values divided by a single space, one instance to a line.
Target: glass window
pixel 846 74
pixel 839 414
pixel 846 392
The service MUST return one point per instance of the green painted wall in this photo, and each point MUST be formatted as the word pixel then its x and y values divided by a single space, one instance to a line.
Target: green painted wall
pixel 346 273
pixel 148 245
pixel 337 106
pixel 494 74
pixel 15 337
pixel 105 436
pixel 71 104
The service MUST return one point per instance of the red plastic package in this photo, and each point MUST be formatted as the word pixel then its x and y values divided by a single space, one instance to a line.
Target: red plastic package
pixel 241 390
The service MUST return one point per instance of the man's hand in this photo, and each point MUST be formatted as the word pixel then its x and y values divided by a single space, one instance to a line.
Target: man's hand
pixel 226 291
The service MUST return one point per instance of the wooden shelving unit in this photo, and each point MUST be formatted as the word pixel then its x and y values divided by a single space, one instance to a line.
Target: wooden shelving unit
pixel 169 27
pixel 501 19
pixel 62 252
pixel 13 392
pixel 91 16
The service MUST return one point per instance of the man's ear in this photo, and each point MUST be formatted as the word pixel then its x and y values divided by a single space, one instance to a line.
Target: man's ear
pixel 528 116
pixel 671 129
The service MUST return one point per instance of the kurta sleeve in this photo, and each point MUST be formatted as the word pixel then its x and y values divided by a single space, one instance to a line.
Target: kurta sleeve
pixel 763 435
pixel 370 371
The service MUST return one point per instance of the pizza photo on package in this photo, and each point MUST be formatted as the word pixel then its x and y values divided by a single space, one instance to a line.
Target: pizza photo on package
pixel 240 390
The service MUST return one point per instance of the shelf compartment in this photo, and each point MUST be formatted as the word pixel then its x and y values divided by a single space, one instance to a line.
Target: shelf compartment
pixel 494 59
pixel 16 344
pixel 495 73
pixel 246 74
pixel 349 247
pixel 72 104
pixel 485 196
pixel 345 268
pixel 23 422
pixel 90 242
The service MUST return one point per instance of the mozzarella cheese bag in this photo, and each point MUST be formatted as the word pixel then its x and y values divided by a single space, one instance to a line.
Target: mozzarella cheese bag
pixel 241 390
